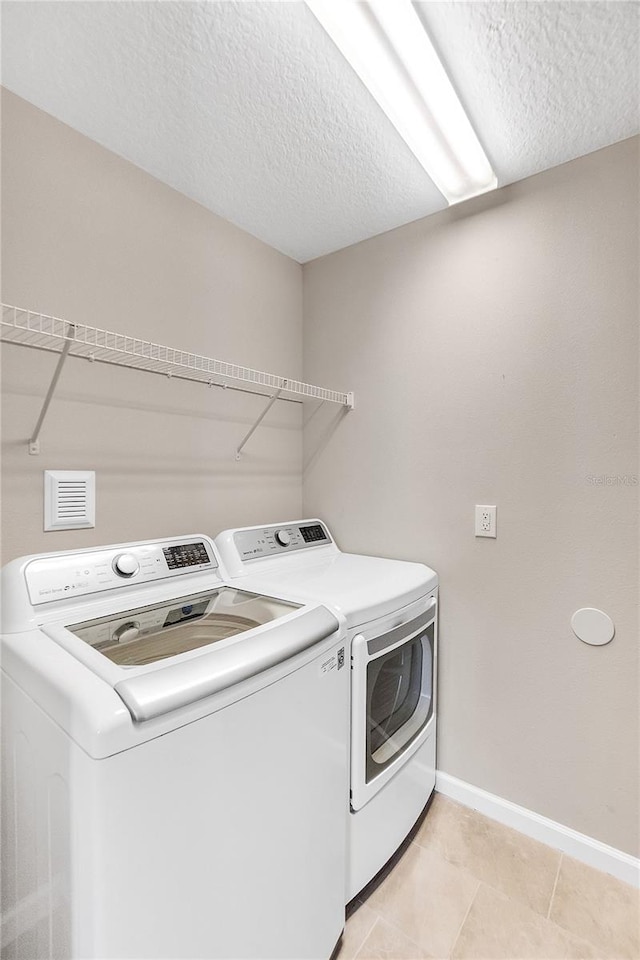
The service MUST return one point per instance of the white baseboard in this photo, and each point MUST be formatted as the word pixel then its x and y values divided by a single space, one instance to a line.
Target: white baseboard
pixel 578 845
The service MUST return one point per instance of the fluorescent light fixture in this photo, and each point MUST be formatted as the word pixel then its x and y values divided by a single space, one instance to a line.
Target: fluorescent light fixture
pixel 388 47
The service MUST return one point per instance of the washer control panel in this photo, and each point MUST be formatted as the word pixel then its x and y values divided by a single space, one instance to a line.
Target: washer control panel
pixel 76 574
pixel 269 541
pixel 185 555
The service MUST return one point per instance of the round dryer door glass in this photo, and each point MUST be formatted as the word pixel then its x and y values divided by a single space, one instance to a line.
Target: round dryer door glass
pixel 399 700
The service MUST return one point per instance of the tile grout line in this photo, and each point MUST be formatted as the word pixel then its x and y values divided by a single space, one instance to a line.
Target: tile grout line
pixel 464 920
pixel 367 934
pixel 396 927
pixel 566 930
pixel 553 892
pixel 383 918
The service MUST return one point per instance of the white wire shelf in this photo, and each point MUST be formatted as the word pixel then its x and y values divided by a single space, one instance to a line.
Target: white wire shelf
pixel 50 333
pixel 40 331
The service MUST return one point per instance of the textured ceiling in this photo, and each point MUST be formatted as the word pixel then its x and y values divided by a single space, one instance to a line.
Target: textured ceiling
pixel 249 109
pixel 543 82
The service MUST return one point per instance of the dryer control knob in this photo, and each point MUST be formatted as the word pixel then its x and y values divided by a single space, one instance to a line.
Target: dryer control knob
pixel 126 565
pixel 283 538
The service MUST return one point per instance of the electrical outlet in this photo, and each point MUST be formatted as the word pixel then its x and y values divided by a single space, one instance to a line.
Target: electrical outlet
pixel 486 521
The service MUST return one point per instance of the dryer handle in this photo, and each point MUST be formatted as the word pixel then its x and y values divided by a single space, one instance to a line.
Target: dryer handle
pixel 399 636
pixel 359 657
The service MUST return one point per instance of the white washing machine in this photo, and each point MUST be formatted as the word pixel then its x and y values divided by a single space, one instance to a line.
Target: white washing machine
pixel 390 607
pixel 174 756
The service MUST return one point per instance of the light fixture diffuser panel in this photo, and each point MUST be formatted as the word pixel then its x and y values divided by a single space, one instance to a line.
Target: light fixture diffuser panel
pixel 69 499
pixel 387 45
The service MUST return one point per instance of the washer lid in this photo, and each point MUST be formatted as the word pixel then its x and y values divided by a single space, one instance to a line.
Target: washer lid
pixel 169 654
pixel 152 694
pixel 146 634
pixel 360 588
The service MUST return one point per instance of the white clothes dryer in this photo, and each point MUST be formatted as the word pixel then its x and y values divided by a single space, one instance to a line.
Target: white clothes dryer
pixel 173 760
pixel 390 607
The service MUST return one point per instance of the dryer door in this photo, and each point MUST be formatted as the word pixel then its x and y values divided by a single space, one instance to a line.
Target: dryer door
pixel 393 701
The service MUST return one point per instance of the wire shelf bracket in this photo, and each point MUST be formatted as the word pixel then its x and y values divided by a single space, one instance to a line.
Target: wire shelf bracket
pixel 257 423
pixel 34 440
pixel 42 332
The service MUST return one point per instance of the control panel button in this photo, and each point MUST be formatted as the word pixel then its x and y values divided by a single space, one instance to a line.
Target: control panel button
pixel 186 555
pixel 283 537
pixel 126 565
pixel 313 534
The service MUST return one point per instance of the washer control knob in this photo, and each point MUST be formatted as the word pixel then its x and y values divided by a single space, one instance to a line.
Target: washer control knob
pixel 127 632
pixel 126 565
pixel 283 537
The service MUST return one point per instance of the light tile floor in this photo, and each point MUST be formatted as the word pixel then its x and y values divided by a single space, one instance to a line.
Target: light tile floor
pixel 469 888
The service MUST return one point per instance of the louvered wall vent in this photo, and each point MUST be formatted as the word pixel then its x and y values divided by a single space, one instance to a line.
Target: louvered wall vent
pixel 69 499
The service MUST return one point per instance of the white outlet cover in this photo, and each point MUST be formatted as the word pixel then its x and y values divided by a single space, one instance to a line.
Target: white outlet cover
pixel 486 520
pixel 592 626
pixel 69 499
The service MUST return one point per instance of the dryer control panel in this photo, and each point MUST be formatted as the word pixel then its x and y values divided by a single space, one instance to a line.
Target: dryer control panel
pixel 62 576
pixel 262 542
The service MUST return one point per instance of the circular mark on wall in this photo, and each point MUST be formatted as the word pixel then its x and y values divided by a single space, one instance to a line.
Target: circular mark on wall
pixel 592 626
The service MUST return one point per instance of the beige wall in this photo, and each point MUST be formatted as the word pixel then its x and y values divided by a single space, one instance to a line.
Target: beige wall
pixel 493 353
pixel 89 237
